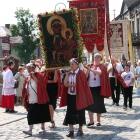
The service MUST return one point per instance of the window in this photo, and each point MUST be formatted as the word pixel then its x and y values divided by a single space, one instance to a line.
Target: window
pixel 138 26
pixel 132 26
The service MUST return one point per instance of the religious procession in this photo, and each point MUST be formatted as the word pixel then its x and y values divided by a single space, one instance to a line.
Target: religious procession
pixel 87 60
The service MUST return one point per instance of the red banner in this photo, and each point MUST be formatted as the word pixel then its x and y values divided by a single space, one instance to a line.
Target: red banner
pixel 94 18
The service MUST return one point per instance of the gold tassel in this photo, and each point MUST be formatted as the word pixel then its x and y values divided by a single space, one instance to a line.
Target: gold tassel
pixel 131 48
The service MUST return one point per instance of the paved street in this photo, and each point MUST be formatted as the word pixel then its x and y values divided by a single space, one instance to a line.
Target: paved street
pixel 117 124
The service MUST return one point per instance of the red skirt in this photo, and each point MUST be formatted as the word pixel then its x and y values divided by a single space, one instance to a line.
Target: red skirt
pixel 8 101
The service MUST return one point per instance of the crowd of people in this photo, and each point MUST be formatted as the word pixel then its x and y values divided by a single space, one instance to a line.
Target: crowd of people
pixel 79 89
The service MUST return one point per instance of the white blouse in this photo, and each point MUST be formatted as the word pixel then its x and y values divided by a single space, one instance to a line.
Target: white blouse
pixel 72 80
pixel 32 88
pixel 118 67
pixel 94 79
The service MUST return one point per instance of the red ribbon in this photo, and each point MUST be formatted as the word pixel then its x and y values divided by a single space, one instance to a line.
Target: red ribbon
pixel 72 89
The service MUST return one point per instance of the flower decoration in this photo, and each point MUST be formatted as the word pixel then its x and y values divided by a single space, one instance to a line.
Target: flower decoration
pixel 64 10
pixel 39 15
pixel 55 12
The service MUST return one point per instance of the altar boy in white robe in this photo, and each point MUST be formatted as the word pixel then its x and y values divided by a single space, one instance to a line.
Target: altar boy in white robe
pixel 8 90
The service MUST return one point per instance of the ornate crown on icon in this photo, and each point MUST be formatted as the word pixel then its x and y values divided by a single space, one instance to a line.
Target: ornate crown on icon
pixel 88 14
pixel 115 28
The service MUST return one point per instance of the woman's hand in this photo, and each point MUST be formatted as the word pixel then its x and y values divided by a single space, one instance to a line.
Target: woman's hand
pixel 32 74
pixel 68 71
pixel 56 70
pixel 24 104
pixel 87 67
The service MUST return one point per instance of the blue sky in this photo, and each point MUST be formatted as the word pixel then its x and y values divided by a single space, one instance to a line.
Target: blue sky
pixel 8 7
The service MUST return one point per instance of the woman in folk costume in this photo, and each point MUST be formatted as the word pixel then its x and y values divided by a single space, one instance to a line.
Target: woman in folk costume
pixel 8 91
pixel 76 96
pixel 35 100
pixel 52 87
pixel 98 81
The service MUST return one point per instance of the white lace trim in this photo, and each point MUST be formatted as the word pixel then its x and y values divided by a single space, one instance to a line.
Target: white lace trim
pixel 8 91
pixel 32 102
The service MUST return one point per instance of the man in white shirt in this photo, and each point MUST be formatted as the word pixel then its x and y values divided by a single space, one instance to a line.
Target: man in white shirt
pixel 132 69
pixel 114 82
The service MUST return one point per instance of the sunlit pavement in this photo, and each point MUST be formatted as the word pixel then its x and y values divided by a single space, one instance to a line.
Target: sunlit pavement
pixel 117 124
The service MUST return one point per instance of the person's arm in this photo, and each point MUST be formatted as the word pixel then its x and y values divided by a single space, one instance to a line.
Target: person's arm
pixel 24 95
pixel 23 75
pixel 87 71
pixel 132 82
pixel 109 68
pixel 98 72
pixel 55 80
pixel 24 99
pixel 17 76
pixel 137 75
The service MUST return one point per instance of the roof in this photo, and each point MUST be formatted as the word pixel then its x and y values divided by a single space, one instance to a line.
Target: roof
pixel 11 55
pixel 4 31
pixel 130 2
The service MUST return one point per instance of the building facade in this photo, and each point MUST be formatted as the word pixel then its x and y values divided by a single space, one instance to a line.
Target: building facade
pixel 4 31
pixel 130 10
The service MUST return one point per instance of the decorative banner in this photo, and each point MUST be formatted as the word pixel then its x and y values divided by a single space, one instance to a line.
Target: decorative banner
pixel 60 37
pixel 119 39
pixel 93 18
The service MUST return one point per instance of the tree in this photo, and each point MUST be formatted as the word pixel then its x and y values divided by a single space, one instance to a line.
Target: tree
pixel 26 28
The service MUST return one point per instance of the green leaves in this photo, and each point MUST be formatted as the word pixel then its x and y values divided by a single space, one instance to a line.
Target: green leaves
pixel 26 28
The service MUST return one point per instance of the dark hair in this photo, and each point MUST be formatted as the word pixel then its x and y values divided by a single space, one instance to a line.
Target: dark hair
pixel 67 32
pixel 10 63
pixel 4 67
pixel 127 65
pixel 20 68
pixel 22 65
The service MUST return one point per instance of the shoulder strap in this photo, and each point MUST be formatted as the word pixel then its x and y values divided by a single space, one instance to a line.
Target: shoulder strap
pixel 32 87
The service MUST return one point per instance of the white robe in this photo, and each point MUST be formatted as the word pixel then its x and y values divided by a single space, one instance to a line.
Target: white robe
pixel 8 83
